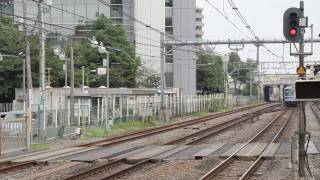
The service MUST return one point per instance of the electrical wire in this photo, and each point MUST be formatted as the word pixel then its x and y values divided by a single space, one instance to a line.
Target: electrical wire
pixel 227 18
pixel 244 21
pixel 144 24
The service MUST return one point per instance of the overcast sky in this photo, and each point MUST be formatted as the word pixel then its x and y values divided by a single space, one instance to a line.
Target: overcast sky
pixel 265 18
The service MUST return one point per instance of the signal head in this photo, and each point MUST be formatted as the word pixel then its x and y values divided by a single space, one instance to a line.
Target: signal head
pixel 291 29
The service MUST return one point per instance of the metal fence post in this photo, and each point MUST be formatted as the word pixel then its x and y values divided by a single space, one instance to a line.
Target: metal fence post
pixel 98 110
pixel 68 111
pixel 113 107
pixel 134 107
pixel 127 106
pixel 89 112
pixel 56 114
pixel 79 112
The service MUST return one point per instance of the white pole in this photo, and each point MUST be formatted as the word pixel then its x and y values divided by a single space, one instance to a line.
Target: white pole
pixel 68 113
pixel 56 114
pixel 89 112
pixel 113 107
pixel 127 104
pixel 98 110
pixel 145 107
pixel 134 107
pixel 121 110
pixel 107 111
pixel 79 112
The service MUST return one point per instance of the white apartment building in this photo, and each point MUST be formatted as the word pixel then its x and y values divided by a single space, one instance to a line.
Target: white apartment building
pixel 175 17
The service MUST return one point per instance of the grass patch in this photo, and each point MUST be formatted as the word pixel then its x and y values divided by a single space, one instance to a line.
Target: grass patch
pixel 121 128
pixel 217 106
pixel 39 147
pixel 197 114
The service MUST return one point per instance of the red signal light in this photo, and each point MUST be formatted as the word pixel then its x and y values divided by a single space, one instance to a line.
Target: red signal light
pixel 293 32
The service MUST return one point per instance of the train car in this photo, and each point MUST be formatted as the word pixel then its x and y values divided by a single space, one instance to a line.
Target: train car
pixel 289 96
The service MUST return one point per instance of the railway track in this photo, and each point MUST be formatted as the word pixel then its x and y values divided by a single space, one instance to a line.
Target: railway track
pixel 247 169
pixel 132 136
pixel 210 131
pixel 154 131
pixel 8 166
pixel 96 172
pixel 316 110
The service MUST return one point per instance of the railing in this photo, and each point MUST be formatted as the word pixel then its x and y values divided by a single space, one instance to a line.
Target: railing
pixel 5 107
pixel 108 111
pixel 13 135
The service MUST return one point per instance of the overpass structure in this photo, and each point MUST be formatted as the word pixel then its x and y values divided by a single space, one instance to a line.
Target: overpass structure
pixel 277 82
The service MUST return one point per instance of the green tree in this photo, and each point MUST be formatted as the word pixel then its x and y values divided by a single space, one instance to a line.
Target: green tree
pixel 147 78
pixel 210 73
pixel 123 61
pixel 10 44
pixel 240 71
pixel 246 90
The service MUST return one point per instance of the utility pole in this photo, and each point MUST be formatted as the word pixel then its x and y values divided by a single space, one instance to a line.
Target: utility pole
pixel 82 73
pixel 71 83
pixel 42 71
pixel 250 79
pixel 162 84
pixel 108 69
pixel 29 79
pixel 226 60
pixel 258 70
pixel 301 106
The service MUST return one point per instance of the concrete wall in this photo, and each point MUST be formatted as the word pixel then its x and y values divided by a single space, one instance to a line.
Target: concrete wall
pixel 151 12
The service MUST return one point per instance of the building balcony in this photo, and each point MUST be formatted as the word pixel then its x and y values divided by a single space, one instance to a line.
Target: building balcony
pixel 199 24
pixel 199 16
pixel 199 33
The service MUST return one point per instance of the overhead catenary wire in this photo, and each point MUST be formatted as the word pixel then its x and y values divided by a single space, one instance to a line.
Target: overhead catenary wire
pixel 244 21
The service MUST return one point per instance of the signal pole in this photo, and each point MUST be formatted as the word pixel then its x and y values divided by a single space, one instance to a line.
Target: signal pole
pixel 301 106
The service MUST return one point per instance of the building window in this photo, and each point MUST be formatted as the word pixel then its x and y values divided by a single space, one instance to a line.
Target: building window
pixel 169 58
pixel 169 31
pixel 168 21
pixel 169 3
pixel 169 50
pixel 116 11
pixel 116 1
pixel 169 79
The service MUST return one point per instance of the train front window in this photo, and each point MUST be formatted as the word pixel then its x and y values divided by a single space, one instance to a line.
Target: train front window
pixel 288 92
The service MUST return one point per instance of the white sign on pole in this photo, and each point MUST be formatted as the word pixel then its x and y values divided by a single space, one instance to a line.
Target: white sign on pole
pixel 101 71
pixel 105 62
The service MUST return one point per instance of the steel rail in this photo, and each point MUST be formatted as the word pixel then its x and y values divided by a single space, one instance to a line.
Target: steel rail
pixel 139 165
pixel 94 171
pixel 218 128
pixel 153 131
pixel 142 163
pixel 125 171
pixel 261 158
pixel 10 166
pixel 231 158
pixel 315 112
